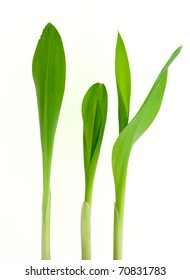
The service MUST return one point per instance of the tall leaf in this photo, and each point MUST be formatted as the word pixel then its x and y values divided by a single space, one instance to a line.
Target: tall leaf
pixel 49 69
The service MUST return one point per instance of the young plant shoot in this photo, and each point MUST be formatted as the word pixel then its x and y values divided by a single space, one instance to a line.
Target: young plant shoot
pixel 48 70
pixel 94 113
pixel 130 132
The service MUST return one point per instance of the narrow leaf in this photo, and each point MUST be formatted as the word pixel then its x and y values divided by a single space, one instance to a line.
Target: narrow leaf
pixel 123 80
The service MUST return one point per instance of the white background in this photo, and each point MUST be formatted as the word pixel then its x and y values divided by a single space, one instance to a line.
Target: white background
pixel 157 216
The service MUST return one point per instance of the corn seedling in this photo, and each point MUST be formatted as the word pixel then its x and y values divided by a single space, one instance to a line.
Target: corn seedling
pixel 94 113
pixel 48 70
pixel 130 131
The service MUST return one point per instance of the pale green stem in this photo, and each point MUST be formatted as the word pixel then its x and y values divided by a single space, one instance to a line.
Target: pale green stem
pixel 118 235
pixel 86 231
pixel 118 224
pixel 86 219
pixel 46 208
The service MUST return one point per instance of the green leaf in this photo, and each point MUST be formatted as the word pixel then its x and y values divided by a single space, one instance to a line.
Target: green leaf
pixel 48 70
pixel 94 113
pixel 123 80
pixel 124 143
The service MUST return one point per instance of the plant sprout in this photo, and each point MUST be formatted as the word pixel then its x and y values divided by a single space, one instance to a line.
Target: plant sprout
pixel 94 113
pixel 130 132
pixel 49 71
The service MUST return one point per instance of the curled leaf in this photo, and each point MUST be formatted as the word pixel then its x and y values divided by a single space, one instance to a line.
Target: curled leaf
pixel 94 113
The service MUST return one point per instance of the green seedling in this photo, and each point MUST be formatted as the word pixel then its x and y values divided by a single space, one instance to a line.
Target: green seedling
pixel 49 71
pixel 130 132
pixel 94 113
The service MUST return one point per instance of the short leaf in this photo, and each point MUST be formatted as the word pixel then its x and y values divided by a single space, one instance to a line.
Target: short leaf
pixel 94 113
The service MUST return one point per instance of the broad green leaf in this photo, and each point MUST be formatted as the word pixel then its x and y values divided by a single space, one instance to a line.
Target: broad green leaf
pixel 94 113
pixel 138 125
pixel 123 81
pixel 49 70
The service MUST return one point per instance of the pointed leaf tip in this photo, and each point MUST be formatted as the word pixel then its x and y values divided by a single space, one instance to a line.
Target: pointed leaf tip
pixel 179 49
pixel 118 36
pixel 49 30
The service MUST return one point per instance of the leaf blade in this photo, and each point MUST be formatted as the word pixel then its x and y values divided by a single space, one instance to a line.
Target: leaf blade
pixel 94 113
pixel 49 71
pixel 123 81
